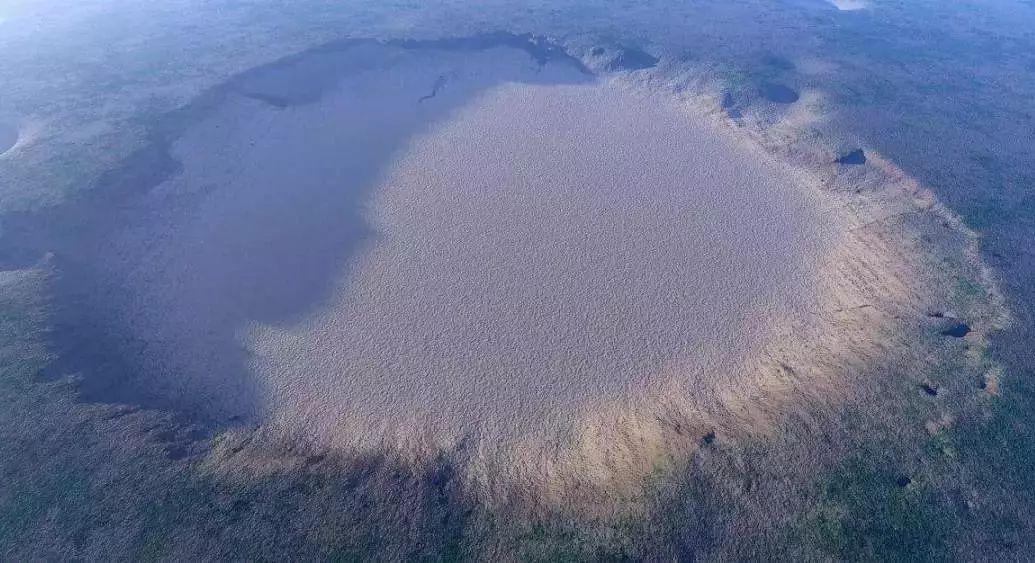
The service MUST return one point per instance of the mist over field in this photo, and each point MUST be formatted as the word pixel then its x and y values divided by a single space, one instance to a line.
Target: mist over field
pixel 708 280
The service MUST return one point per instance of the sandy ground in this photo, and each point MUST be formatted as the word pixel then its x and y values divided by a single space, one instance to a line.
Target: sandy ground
pixel 459 243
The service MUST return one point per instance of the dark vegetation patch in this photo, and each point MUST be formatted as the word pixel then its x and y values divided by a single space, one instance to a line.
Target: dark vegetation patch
pixel 180 441
pixel 778 93
pixel 26 500
pixel 376 507
pixel 370 507
pixel 867 513
pixel 1002 445
pixel 631 58
pixel 855 157
pixel 729 105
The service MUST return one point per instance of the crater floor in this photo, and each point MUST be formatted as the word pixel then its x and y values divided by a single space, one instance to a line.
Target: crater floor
pixel 455 240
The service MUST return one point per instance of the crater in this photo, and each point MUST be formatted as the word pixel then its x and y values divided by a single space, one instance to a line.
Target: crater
pixel 327 245
pixel 956 330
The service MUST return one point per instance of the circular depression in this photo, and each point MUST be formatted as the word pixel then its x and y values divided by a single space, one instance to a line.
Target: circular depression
pixel 385 238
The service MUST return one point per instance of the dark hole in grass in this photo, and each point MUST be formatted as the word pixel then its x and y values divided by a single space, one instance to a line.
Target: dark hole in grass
pixel 855 157
pixel 903 481
pixel 708 438
pixel 957 330
pixel 929 389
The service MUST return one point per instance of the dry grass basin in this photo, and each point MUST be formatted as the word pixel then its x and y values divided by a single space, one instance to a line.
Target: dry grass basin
pixel 476 270
pixel 450 246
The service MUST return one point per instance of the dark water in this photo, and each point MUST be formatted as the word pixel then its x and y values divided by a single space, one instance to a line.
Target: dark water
pixel 852 158
pixel 957 330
